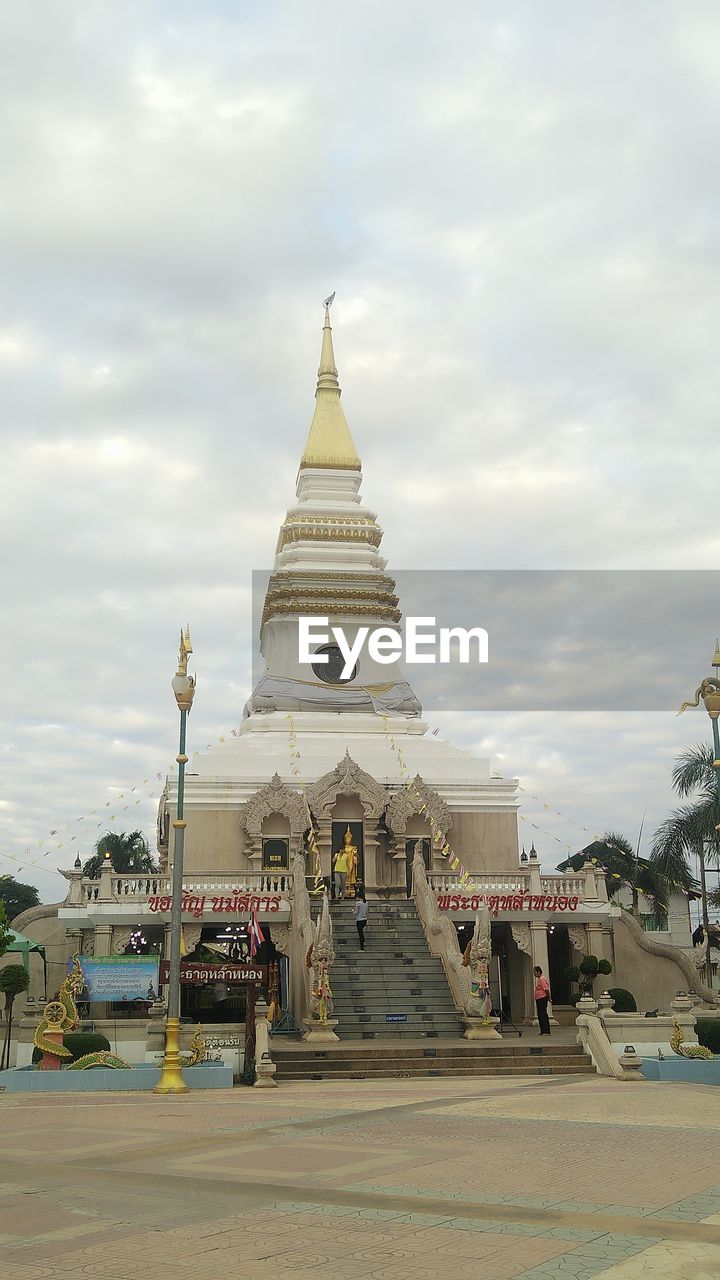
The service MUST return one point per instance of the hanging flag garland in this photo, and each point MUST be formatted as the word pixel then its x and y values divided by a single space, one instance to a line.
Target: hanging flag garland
pixel 296 771
pixel 439 839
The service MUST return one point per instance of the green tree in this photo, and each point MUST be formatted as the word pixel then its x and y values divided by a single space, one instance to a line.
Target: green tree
pixel 624 868
pixel 690 830
pixel 17 897
pixel 13 980
pixel 128 853
pixel 5 932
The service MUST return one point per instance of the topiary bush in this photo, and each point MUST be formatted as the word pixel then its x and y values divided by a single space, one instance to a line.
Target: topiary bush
pixel 624 1000
pixel 586 973
pixel 708 1033
pixel 79 1043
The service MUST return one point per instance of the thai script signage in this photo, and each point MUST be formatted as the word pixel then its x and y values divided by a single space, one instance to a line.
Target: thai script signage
pixel 221 1042
pixel 198 904
pixel 507 902
pixel 199 973
pixel 120 977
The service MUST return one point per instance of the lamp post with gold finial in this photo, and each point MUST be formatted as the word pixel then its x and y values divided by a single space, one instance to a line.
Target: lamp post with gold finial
pixel 171 1078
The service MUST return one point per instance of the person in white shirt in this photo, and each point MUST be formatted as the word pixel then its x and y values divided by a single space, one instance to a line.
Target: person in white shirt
pixel 361 916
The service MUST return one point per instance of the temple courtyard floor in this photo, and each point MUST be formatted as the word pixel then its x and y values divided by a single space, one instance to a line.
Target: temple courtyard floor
pixel 535 1178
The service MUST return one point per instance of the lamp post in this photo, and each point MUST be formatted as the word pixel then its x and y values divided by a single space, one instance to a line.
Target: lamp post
pixel 171 1079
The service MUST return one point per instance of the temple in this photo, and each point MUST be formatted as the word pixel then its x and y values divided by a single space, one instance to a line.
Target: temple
pixel 319 765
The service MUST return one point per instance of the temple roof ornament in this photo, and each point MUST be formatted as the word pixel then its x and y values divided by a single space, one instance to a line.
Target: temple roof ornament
pixel 329 443
pixel 347 779
pixel 404 805
pixel 276 797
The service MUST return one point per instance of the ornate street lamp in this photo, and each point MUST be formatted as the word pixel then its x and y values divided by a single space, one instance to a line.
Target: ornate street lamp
pixel 171 1079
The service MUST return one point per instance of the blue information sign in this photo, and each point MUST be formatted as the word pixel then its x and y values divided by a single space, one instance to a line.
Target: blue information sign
pixel 120 977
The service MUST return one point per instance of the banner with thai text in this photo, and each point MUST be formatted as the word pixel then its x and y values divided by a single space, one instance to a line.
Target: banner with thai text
pixel 120 977
pixel 200 973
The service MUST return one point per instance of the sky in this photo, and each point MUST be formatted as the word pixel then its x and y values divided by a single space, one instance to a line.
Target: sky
pixel 517 206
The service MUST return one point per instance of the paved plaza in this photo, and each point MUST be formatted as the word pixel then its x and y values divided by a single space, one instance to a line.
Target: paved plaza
pixel 532 1178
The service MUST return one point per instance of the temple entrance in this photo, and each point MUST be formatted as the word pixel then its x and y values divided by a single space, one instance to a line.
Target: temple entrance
pixel 215 997
pixel 559 958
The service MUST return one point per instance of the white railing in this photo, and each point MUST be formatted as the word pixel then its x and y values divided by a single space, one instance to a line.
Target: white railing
pixel 573 886
pixel 141 887
pixel 515 882
pixel 446 881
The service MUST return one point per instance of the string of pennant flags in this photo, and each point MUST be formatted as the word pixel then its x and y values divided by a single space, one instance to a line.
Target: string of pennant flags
pixel 48 844
pixel 439 839
pixel 136 794
pixel 296 770
pixel 565 817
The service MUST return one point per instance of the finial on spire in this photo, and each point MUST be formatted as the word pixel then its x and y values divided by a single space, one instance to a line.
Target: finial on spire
pixel 329 443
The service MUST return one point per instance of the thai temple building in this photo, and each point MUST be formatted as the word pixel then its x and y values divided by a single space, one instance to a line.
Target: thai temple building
pixel 322 767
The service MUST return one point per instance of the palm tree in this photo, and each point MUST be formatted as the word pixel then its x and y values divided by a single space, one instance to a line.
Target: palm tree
pixel 691 829
pixel 624 867
pixel 128 853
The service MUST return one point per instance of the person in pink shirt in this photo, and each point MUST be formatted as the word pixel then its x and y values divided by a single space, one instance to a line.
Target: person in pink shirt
pixel 542 995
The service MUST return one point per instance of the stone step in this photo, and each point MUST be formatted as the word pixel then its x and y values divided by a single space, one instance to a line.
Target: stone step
pixel 464 1051
pixel 473 1070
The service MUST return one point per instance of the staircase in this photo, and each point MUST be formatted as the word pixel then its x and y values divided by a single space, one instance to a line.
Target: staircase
pixel 385 1061
pixel 394 988
pixel 392 997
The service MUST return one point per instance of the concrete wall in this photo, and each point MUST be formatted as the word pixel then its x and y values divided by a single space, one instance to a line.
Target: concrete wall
pixel 653 981
pixel 42 925
pixel 213 841
pixel 485 841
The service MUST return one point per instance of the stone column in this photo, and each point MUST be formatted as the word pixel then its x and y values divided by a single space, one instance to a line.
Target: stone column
pixel 539 946
pixel 155 1032
pixel 103 939
pixel 598 941
pixel 264 1066
pixel 522 939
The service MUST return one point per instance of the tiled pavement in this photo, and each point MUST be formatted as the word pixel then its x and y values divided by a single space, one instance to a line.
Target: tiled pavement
pixel 535 1179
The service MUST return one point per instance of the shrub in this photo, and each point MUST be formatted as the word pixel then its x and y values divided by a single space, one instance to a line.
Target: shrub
pixel 708 1033
pixel 79 1043
pixel 587 972
pixel 248 1075
pixel 624 1000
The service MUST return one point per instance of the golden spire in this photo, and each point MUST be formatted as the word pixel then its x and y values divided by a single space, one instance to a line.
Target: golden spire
pixel 329 443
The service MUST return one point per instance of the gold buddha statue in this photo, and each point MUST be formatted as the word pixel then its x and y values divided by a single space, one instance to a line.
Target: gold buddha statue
pixel 349 856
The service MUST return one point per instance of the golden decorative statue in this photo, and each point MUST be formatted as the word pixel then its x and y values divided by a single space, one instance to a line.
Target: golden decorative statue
pixel 351 857
pixel 709 691
pixel 677 1044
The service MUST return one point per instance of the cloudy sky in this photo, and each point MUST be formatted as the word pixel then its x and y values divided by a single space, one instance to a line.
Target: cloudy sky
pixel 518 207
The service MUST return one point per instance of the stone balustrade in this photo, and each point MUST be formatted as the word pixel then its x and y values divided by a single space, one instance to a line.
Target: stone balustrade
pixel 572 885
pixel 125 888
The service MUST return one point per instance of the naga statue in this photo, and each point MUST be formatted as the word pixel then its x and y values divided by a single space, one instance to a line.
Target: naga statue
pixel 709 691
pixel 198 1050
pixel 61 1016
pixel 476 957
pixel 677 1044
pixel 320 958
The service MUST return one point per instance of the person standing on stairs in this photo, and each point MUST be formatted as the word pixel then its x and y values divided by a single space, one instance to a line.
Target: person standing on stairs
pixel 542 995
pixel 361 915
pixel 340 871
